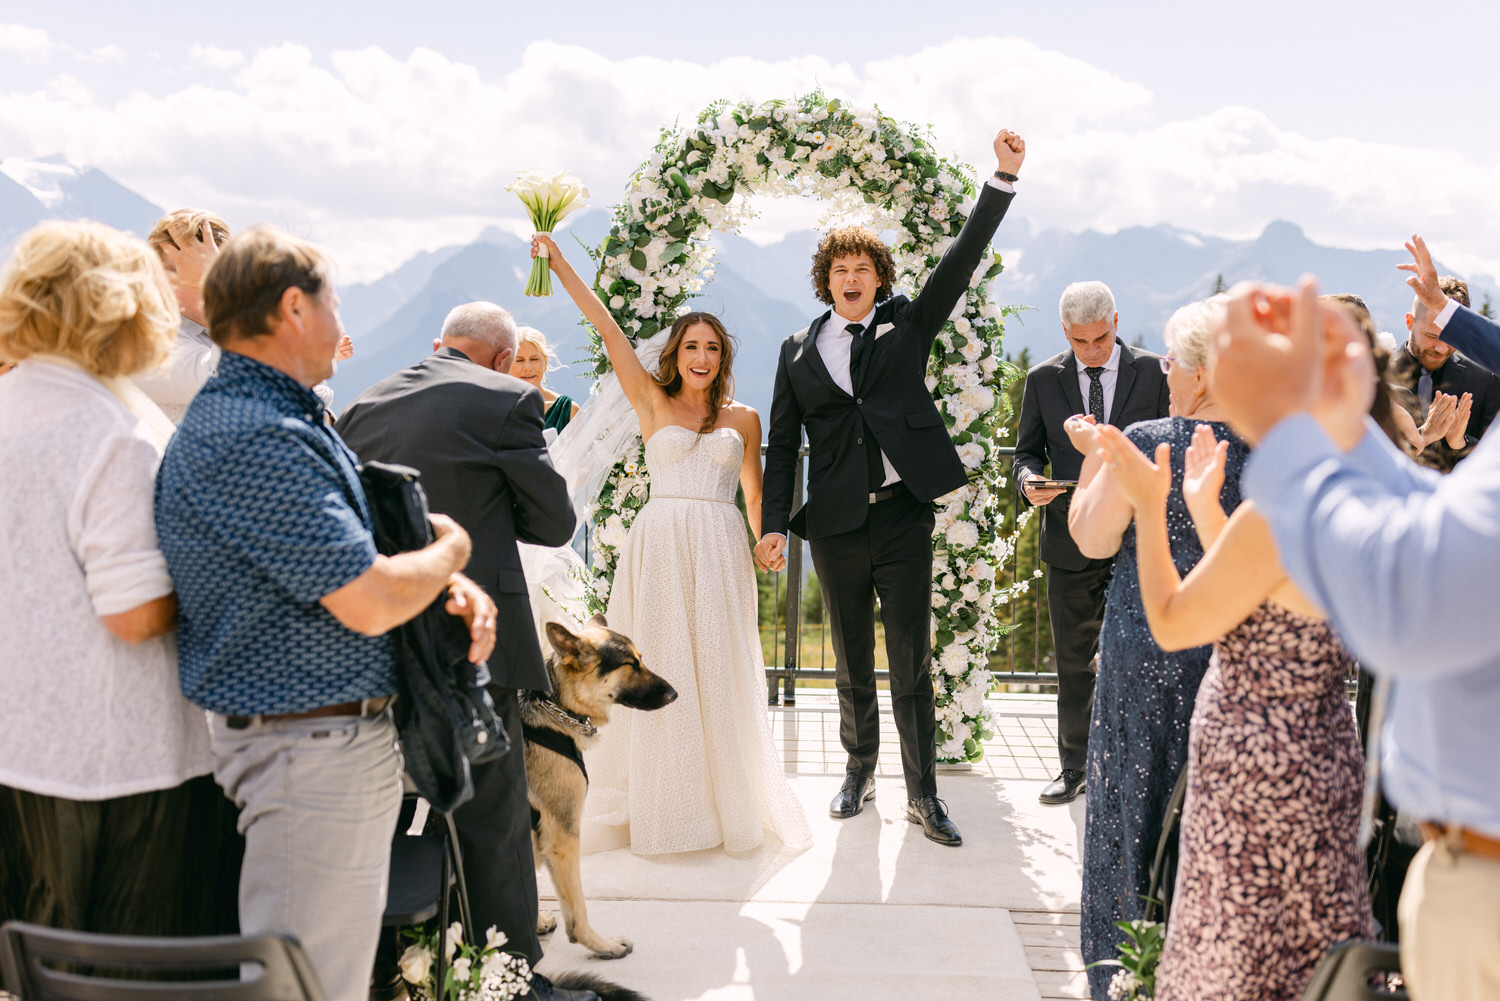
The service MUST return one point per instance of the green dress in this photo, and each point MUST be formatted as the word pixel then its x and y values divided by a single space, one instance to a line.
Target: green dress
pixel 559 413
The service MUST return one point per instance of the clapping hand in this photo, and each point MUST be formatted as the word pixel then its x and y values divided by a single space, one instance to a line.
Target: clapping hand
pixel 1083 431
pixel 1203 473
pixel 1458 427
pixel 1146 483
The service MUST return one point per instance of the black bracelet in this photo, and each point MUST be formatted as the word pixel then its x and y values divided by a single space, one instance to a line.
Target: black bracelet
pixel 1008 178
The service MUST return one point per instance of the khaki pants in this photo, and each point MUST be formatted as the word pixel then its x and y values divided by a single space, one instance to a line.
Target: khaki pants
pixel 1450 926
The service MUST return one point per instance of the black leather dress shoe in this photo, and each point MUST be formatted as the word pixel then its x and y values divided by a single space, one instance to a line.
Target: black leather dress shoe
pixel 852 796
pixel 1063 789
pixel 932 814
pixel 543 989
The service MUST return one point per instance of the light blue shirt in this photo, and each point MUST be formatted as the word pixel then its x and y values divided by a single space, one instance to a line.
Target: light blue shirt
pixel 1407 564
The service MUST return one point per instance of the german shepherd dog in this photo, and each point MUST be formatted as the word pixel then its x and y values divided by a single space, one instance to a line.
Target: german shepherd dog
pixel 592 671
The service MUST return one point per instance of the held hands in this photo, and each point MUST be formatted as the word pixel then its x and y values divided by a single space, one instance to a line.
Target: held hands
pixel 468 601
pixel 1010 151
pixel 1146 483
pixel 1203 472
pixel 770 553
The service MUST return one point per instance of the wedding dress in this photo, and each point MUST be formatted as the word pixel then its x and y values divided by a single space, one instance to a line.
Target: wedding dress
pixel 702 771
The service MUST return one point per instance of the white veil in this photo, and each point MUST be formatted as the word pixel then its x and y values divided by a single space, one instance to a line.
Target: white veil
pixel 584 453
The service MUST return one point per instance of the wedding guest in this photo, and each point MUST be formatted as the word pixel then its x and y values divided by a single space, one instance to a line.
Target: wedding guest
pixel 1275 767
pixel 187 241
pixel 1344 519
pixel 533 360
pixel 286 606
pixel 1116 384
pixel 111 821
pixel 1144 695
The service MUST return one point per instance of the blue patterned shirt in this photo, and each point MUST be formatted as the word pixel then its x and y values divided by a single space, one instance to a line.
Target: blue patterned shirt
pixel 260 513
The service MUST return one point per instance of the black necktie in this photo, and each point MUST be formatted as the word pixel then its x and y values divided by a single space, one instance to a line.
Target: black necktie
pixel 1096 393
pixel 856 352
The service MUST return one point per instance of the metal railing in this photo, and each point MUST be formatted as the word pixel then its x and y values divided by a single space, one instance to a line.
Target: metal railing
pixel 786 663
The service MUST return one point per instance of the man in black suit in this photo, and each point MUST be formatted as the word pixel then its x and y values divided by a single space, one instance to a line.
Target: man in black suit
pixel 880 453
pixel 1117 385
pixel 475 434
pixel 1427 369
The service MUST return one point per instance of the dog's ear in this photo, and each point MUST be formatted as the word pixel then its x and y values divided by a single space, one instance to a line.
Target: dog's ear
pixel 598 621
pixel 563 641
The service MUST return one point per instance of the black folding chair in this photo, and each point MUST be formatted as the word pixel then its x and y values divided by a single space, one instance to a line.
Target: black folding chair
pixel 1357 971
pixel 426 868
pixel 50 964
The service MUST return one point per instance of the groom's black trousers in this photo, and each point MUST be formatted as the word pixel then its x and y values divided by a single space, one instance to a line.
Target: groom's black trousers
pixel 889 556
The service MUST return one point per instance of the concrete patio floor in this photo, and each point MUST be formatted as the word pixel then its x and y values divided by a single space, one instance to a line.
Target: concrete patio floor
pixel 872 910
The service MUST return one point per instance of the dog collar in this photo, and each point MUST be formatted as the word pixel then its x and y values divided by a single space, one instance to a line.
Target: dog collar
pixel 581 725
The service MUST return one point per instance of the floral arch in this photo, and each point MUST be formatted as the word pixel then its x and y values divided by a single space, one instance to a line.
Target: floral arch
pixel 865 164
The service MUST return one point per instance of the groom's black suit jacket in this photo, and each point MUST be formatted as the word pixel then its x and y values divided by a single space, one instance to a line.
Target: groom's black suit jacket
pixel 476 438
pixel 1052 395
pixel 891 400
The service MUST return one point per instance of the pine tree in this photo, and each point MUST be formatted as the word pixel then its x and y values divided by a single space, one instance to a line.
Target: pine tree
pixel 1219 285
pixel 1486 310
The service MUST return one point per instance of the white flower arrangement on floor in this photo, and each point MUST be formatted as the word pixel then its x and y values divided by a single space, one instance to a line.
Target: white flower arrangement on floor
pixel 880 171
pixel 473 973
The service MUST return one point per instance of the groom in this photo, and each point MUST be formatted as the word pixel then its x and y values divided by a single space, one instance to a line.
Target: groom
pixel 879 455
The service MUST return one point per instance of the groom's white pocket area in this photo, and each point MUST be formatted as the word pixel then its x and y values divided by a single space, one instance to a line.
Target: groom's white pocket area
pixel 882 329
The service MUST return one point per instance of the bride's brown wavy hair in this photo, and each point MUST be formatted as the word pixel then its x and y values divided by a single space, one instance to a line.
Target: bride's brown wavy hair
pixel 721 390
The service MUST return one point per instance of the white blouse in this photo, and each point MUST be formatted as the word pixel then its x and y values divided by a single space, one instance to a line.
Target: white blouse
pixel 83 714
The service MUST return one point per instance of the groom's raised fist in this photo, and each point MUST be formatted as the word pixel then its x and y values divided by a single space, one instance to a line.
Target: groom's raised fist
pixel 1010 151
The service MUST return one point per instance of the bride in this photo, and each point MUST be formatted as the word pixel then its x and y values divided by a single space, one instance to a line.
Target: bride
pixel 704 771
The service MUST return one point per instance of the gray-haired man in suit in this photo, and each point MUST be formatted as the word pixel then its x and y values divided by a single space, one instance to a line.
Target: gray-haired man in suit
pixel 1118 385
pixel 475 434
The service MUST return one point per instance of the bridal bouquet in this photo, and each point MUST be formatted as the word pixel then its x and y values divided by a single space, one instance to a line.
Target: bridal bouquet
pixel 547 199
pixel 474 974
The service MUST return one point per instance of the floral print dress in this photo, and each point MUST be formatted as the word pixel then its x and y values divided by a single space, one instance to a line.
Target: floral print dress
pixel 1271 874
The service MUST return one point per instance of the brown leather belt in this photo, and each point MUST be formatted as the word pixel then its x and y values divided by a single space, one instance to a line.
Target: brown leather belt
pixel 366 707
pixel 1462 840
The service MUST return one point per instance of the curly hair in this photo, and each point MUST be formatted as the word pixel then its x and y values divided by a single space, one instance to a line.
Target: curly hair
pixel 90 293
pixel 851 241
pixel 721 390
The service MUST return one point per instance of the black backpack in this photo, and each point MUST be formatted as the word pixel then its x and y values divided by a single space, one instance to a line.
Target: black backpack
pixel 443 712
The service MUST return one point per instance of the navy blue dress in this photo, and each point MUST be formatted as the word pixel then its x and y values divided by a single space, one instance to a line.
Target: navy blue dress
pixel 1143 700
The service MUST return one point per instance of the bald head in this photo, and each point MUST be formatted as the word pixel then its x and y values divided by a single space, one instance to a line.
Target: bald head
pixel 484 332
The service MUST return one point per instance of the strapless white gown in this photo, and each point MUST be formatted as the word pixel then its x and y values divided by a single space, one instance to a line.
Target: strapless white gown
pixel 703 771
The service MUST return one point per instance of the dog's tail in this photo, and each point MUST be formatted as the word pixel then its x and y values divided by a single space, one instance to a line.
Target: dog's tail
pixel 577 980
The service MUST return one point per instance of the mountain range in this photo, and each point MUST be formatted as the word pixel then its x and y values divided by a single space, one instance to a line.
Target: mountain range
pixel 761 291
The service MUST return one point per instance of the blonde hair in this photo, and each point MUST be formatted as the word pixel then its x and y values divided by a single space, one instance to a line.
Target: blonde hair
pixel 179 227
pixel 531 335
pixel 90 293
pixel 1190 331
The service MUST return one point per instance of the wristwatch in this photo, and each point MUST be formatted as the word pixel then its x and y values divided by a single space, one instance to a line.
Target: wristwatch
pixel 1008 178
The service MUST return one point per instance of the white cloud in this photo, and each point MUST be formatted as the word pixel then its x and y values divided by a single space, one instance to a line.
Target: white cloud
pixel 103 54
pixel 216 58
pixel 28 43
pixel 379 156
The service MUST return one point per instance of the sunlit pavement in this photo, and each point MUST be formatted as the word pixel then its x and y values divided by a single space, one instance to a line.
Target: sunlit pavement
pixel 872 910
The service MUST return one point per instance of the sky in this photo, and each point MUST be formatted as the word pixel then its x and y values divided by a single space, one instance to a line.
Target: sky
pixel 381 129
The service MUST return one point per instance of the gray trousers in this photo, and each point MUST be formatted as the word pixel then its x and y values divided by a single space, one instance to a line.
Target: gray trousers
pixel 318 803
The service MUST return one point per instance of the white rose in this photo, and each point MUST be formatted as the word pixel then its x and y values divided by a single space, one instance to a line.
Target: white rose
pixel 962 535
pixel 962 325
pixel 949 582
pixel 415 964
pixel 971 350
pixel 982 571
pixel 971 454
pixel 971 701
pixel 961 733
pixel 970 592
pixel 954 659
pixel 939 599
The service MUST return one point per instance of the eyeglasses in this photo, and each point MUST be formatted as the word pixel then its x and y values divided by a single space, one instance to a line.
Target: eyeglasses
pixel 1166 362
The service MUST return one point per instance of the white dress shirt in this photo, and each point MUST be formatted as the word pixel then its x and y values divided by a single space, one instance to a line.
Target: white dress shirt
pixel 835 344
pixel 1107 379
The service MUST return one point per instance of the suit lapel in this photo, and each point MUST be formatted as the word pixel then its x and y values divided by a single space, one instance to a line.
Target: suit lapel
pixel 813 358
pixel 1068 375
pixel 1124 379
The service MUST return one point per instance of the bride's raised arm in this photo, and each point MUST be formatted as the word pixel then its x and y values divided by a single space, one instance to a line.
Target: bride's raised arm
pixel 641 389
